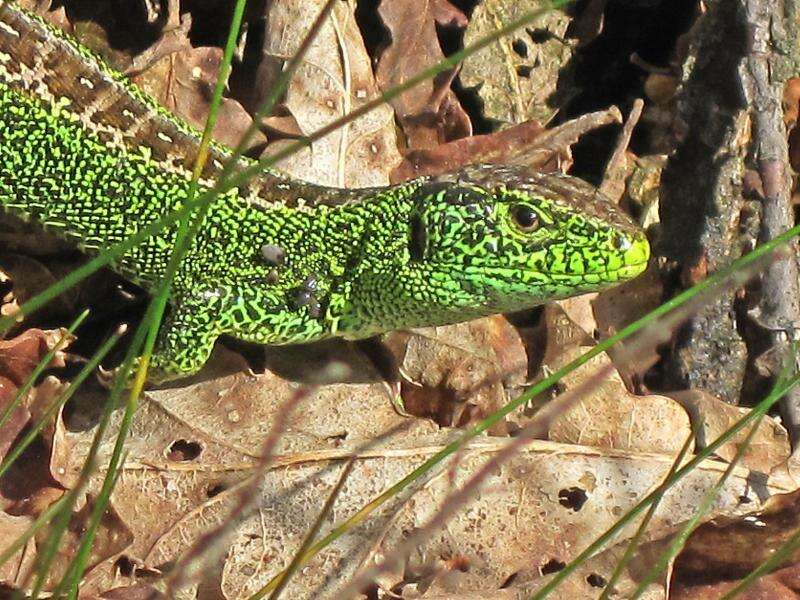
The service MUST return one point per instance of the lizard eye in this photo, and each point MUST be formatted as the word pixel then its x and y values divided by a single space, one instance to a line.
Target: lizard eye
pixel 525 218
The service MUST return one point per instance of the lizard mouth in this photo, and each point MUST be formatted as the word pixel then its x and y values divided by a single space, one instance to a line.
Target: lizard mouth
pixel 635 255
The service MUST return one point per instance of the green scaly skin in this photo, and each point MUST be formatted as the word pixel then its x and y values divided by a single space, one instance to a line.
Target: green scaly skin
pixel 93 159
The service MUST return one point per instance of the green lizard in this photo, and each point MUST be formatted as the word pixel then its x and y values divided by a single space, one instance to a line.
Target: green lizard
pixel 92 158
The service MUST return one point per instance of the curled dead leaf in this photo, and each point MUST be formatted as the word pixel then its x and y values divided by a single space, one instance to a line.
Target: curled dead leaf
pixel 429 113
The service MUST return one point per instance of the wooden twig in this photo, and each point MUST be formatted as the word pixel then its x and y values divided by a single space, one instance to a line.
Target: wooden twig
pixel 779 307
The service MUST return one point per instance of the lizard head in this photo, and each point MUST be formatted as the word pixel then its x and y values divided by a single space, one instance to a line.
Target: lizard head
pixel 498 239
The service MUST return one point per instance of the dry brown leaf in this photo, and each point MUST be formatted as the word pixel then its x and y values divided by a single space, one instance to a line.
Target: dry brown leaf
pixel 642 190
pixel 791 101
pixel 728 548
pixel 579 310
pixel 334 79
pixel 112 537
pixel 608 415
pixel 175 39
pixel 429 113
pixel 588 24
pixel 711 417
pixel 517 77
pixel 191 449
pixel 620 306
pixel 526 144
pixel 517 525
pixel 28 485
pixel 20 355
pixel 459 373
pixel 16 569
pixel 783 584
pixel 139 591
pixel 491 148
pixel 31 276
pixel 552 152
pixel 184 81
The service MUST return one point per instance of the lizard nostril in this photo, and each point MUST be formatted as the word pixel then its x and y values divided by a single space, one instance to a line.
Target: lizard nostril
pixel 622 242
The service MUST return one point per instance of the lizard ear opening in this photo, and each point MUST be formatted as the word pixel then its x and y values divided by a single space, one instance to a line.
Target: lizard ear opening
pixel 417 239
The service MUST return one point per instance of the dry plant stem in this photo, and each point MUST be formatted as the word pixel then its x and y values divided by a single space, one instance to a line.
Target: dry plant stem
pixel 780 302
pixel 636 540
pixel 667 557
pixel 213 544
pixel 613 184
pixel 311 534
pixel 301 554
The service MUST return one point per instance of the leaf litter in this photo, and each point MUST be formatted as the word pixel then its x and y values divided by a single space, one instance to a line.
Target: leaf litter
pixel 192 447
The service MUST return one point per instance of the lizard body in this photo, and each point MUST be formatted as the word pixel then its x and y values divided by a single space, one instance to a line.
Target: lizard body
pixel 93 159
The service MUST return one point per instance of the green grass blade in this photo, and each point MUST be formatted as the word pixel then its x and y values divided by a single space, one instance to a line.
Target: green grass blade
pixel 679 541
pixel 46 557
pixel 42 520
pixel 682 536
pixel 780 556
pixel 279 87
pixel 188 227
pixel 308 540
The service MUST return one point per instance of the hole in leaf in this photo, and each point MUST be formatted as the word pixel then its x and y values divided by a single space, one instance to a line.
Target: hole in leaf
pixel 509 581
pixel 520 47
pixel 596 580
pixel 573 498
pixel 124 566
pixel 552 566
pixel 215 489
pixel 539 35
pixel 183 450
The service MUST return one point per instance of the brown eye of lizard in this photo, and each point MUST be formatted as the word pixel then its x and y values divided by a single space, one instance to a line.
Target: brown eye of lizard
pixel 525 217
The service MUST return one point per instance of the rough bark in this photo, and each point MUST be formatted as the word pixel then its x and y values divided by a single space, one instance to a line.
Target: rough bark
pixel 701 196
pixel 770 59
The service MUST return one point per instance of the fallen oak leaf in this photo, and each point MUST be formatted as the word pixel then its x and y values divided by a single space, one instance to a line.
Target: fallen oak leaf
pixel 489 148
pixel 334 79
pixel 183 82
pixel 521 76
pixel 173 40
pixel 456 373
pixel 729 547
pixel 430 113
pixel 20 355
pixel 527 144
pixel 18 358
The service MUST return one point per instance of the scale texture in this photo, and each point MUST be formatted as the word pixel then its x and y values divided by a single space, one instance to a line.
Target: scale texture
pixel 276 261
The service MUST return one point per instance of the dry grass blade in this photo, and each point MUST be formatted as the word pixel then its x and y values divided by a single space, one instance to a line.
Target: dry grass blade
pixel 211 545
